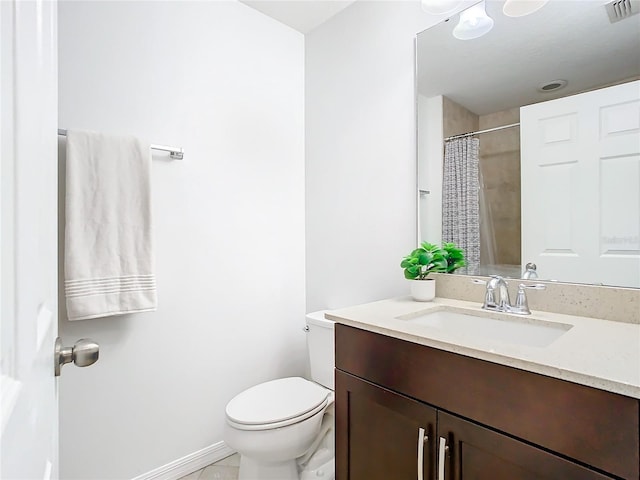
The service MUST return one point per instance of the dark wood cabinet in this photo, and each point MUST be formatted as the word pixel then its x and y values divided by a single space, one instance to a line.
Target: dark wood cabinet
pixel 479 453
pixel 498 422
pixel 381 433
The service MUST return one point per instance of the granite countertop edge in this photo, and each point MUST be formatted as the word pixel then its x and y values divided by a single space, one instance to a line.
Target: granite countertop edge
pixel 596 353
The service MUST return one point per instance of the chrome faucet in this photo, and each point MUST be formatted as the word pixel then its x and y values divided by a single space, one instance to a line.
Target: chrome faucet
pixel 502 303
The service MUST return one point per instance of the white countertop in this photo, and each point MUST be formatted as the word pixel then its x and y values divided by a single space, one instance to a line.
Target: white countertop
pixel 597 353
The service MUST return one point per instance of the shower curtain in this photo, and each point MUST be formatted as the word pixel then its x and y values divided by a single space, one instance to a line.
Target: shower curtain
pixel 460 199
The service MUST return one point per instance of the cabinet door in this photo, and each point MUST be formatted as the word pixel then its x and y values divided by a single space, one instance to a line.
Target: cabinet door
pixel 381 435
pixel 477 453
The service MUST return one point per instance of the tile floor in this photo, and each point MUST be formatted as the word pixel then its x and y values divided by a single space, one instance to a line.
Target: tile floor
pixel 225 469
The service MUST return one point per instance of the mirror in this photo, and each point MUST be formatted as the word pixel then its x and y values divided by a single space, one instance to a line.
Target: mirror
pixel 565 51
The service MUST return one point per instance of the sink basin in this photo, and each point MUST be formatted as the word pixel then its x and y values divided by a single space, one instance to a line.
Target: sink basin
pixel 513 330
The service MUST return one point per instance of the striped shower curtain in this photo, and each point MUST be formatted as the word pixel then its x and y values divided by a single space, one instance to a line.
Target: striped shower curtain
pixel 460 199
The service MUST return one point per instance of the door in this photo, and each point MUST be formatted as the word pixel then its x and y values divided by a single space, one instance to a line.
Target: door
pixel 381 435
pixel 28 239
pixel 581 186
pixel 472 452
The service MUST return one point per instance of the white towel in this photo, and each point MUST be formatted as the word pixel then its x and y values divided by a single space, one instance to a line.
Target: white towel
pixel 108 261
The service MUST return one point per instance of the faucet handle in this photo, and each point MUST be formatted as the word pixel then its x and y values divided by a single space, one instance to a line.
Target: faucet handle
pixel 522 306
pixel 489 296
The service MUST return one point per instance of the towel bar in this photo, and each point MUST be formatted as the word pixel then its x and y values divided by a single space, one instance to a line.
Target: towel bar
pixel 174 152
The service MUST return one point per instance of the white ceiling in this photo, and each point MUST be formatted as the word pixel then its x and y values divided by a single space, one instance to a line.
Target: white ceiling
pixel 302 15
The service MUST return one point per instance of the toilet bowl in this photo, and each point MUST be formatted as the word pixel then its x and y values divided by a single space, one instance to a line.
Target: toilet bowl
pixel 283 429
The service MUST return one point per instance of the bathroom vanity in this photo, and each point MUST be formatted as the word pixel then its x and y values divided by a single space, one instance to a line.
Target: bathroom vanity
pixel 415 400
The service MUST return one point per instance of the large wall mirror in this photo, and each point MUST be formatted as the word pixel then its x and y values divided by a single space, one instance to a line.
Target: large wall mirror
pixel 529 142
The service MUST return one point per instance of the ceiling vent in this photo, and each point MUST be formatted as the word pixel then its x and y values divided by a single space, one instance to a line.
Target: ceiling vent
pixel 621 9
pixel 552 86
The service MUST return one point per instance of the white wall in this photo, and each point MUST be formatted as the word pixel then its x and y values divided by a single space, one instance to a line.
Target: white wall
pixel 227 84
pixel 360 152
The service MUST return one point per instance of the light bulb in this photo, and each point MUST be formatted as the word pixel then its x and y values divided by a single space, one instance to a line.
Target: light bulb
pixel 474 22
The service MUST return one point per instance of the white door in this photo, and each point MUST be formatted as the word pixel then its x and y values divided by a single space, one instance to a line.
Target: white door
pixel 28 235
pixel 581 186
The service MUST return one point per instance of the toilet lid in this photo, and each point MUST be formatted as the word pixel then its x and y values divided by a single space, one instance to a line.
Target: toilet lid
pixel 276 401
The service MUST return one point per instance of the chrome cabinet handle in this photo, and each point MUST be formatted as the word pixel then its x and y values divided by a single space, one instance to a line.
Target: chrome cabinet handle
pixel 422 439
pixel 441 457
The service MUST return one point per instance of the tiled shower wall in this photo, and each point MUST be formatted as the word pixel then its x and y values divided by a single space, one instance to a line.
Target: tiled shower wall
pixel 500 167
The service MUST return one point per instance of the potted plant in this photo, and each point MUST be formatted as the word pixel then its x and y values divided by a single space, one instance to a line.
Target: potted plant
pixel 429 258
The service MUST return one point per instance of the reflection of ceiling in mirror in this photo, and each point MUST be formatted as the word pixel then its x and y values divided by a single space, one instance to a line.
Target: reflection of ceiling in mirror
pixel 571 40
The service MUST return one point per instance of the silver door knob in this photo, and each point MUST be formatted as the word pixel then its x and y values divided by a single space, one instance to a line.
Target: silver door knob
pixel 84 353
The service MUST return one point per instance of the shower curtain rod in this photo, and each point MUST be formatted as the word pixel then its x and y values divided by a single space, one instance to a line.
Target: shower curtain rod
pixel 481 131
pixel 174 152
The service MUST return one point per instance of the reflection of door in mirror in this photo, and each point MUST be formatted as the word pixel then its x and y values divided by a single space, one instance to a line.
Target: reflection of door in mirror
pixel 581 186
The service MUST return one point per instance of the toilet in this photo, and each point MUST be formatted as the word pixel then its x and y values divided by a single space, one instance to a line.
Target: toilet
pixel 284 429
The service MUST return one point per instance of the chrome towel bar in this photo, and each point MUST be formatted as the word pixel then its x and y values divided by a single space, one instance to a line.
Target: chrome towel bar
pixel 174 152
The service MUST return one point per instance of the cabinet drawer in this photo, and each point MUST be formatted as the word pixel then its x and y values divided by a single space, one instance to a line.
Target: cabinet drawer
pixel 597 428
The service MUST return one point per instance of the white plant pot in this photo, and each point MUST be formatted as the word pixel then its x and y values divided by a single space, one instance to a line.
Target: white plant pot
pixel 423 290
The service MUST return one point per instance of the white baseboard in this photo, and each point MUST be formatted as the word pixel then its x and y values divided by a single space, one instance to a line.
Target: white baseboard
pixel 189 463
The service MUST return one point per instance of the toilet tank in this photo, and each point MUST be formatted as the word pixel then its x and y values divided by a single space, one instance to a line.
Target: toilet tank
pixel 321 347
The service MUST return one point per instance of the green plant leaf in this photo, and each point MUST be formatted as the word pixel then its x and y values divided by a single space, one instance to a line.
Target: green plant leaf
pixel 454 255
pixel 424 258
pixel 439 265
pixel 430 247
pixel 406 262
pixel 409 274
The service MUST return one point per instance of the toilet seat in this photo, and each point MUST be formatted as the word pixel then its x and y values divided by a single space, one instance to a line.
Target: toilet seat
pixel 276 404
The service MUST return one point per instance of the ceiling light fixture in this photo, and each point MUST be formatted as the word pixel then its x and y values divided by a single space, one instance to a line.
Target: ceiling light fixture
pixel 440 7
pixel 474 22
pixel 520 8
